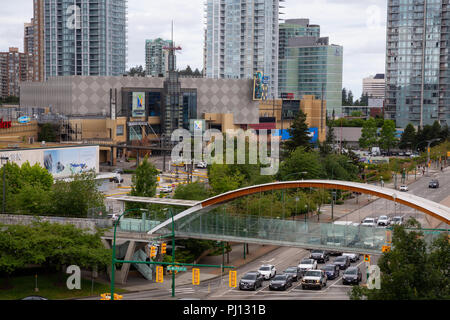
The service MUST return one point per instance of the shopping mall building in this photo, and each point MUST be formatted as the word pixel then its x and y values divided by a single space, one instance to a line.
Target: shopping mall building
pixel 145 110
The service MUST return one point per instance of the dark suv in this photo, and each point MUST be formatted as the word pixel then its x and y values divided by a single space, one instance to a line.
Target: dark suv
pixel 251 280
pixel 434 184
pixel 343 262
pixel 320 256
pixel 352 275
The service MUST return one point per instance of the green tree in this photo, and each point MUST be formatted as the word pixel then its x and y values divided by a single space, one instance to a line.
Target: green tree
pixel 34 179
pixel 192 191
pixel 344 97
pixel 388 139
pixel 369 134
pixel 143 183
pixel 47 132
pixel 76 197
pixel 221 179
pixel 408 138
pixel 412 270
pixel 299 133
pixel 301 161
pixel 137 71
pixel 50 245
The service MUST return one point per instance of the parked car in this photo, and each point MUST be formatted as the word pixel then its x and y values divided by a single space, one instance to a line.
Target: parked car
pixel 397 220
pixel 332 271
pixel 352 256
pixel 314 279
pixel 294 272
pixel 201 165
pixel 384 221
pixel 343 262
pixel 251 281
pixel 320 255
pixel 434 184
pixel 268 271
pixel 117 179
pixel 369 222
pixel 307 264
pixel 404 188
pixel 352 275
pixel 281 282
pixel 167 189
pixel 118 170
pixel 34 298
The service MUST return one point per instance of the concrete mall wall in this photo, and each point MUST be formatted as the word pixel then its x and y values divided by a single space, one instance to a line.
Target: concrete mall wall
pixel 81 223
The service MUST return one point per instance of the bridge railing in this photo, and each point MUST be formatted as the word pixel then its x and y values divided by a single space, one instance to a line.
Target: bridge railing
pixel 296 232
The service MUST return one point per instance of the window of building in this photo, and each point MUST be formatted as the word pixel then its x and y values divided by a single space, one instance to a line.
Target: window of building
pixel 119 130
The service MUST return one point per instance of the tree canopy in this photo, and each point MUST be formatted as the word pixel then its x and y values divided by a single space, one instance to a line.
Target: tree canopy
pixel 299 133
pixel 50 244
pixel 412 270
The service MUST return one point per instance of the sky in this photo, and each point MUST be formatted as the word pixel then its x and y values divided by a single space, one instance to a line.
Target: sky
pixel 359 26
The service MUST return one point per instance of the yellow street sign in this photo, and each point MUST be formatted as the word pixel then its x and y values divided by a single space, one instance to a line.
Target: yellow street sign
pixel 159 274
pixel 195 276
pixel 232 279
pixel 386 249
pixel 367 258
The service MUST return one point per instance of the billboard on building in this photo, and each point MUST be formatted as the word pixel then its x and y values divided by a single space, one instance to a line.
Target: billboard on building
pixel 285 135
pixel 258 86
pixel 60 162
pixel 66 162
pixel 138 107
pixel 197 126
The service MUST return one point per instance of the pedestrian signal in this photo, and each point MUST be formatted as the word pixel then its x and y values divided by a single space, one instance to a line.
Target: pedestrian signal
pixel 232 279
pixel 159 274
pixel 195 276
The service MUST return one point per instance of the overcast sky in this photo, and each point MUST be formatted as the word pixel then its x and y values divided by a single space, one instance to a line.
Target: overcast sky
pixel 357 25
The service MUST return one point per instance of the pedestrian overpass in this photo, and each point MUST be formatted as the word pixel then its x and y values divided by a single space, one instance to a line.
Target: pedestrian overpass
pixel 208 220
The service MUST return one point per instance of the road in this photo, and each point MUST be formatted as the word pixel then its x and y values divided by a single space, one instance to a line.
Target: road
pixel 281 258
pixel 418 188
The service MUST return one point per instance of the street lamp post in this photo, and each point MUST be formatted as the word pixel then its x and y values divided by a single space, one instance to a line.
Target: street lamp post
pixel 428 151
pixel 4 184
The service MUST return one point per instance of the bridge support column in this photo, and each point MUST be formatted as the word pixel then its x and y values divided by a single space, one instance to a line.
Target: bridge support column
pixel 122 274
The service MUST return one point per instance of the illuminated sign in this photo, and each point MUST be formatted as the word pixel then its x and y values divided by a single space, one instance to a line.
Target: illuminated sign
pixel 138 108
pixel 5 124
pixel 258 86
pixel 24 119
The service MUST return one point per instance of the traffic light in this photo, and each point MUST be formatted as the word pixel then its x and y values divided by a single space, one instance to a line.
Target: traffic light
pixel 386 249
pixel 152 251
pixel 232 279
pixel 163 248
pixel 195 276
pixel 159 274
pixel 367 258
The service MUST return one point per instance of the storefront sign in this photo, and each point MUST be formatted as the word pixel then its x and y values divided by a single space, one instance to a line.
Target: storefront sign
pixel 5 124
pixel 137 123
pixel 138 104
